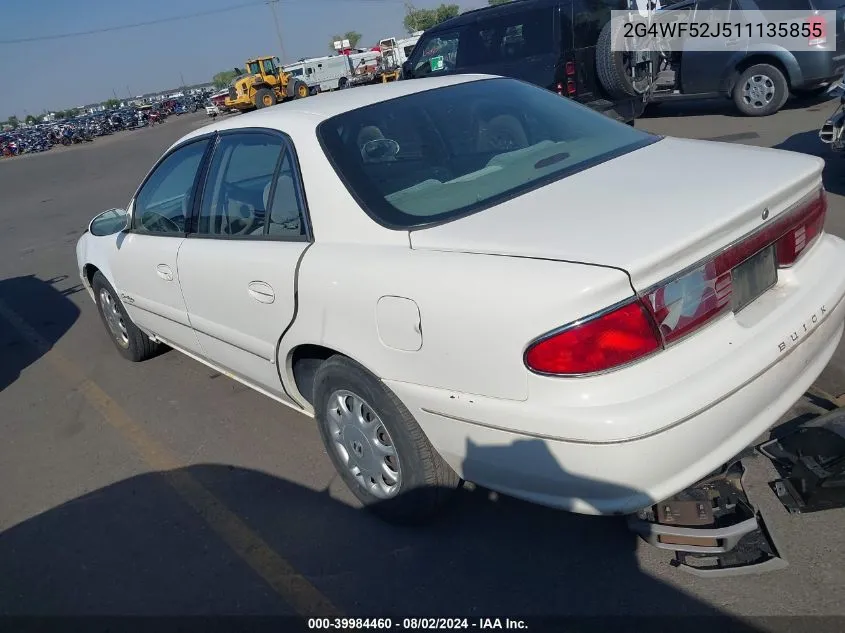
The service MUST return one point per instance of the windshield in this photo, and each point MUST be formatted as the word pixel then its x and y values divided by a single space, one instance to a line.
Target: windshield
pixel 254 68
pixel 440 154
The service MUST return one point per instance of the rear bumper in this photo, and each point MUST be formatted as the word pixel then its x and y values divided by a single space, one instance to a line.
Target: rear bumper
pixel 817 68
pixel 617 446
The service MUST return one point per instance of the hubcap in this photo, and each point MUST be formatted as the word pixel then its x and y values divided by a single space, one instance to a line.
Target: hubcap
pixel 363 444
pixel 758 91
pixel 114 319
pixel 267 100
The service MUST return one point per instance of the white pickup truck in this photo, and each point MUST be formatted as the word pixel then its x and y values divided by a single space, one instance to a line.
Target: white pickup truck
pixel 212 110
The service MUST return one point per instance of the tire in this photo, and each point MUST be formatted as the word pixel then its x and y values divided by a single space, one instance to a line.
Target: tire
pixel 264 98
pixel 300 89
pixel 424 482
pixel 611 66
pixel 342 83
pixel 134 345
pixel 761 90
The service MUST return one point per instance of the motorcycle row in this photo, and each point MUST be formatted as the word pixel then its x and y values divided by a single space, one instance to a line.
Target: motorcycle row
pixel 84 129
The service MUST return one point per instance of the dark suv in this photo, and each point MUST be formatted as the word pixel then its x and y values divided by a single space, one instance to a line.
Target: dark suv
pixel 758 82
pixel 562 45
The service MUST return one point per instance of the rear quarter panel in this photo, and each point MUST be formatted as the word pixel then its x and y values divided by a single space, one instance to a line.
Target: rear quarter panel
pixel 477 312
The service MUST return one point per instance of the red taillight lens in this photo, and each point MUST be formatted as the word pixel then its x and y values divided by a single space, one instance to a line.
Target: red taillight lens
pixel 570 87
pixel 676 307
pixel 804 229
pixel 598 344
pixel 818 31
pixel 570 69
pixel 691 300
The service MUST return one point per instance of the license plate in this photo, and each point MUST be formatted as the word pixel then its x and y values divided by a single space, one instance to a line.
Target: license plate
pixel 753 277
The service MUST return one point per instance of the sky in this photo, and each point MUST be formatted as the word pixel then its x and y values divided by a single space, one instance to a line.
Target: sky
pixel 61 73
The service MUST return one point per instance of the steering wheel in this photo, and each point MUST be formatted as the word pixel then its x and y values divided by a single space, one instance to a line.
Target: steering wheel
pixel 241 222
pixel 154 218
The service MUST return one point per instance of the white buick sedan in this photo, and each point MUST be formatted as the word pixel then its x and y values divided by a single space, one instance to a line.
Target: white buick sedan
pixel 473 278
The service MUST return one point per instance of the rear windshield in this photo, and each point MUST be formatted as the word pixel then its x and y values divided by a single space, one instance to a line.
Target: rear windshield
pixel 443 153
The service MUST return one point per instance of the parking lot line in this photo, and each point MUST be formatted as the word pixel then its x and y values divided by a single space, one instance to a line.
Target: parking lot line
pixel 285 580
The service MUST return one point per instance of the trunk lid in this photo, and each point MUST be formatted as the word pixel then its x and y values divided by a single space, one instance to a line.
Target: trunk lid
pixel 651 213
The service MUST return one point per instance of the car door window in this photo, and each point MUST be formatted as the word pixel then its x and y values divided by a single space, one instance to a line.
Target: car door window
pixel 437 54
pixel 237 191
pixel 166 198
pixel 286 213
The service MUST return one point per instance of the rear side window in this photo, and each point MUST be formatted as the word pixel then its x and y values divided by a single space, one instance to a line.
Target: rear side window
pixel 443 153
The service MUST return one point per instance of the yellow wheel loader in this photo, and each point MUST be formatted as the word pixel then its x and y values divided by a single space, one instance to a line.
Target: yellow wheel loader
pixel 264 84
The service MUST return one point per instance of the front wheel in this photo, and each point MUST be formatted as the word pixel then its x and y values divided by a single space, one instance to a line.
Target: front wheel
pixel 377 447
pixel 131 342
pixel 761 90
pixel 264 98
pixel 301 90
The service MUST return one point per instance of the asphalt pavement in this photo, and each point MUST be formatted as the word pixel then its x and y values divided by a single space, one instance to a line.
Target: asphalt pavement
pixel 164 488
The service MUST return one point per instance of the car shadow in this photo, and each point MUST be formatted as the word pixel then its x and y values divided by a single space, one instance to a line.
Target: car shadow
pixel 163 544
pixel 725 107
pixel 39 303
pixel 808 142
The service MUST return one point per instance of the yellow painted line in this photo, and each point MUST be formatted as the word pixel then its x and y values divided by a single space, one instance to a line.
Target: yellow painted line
pixel 277 572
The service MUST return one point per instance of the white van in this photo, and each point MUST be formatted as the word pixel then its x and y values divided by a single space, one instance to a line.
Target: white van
pixel 322 73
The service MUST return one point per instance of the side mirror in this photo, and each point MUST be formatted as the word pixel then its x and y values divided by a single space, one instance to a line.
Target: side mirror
pixel 406 68
pixel 109 222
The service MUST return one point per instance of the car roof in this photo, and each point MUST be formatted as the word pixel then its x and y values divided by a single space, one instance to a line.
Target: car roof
pixel 312 111
pixel 473 15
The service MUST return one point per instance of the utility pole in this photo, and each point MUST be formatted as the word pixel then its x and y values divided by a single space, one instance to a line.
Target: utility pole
pixel 128 92
pixel 182 77
pixel 272 4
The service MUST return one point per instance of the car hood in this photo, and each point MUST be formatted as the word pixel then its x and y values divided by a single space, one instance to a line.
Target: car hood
pixel 651 212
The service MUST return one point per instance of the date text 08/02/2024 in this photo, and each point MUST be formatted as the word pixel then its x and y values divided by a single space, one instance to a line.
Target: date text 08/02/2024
pixel 415 624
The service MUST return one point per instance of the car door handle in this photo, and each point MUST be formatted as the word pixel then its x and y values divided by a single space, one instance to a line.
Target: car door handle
pixel 261 291
pixel 164 271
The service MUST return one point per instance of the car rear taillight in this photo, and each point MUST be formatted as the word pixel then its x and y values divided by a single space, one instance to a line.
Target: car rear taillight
pixel 675 307
pixel 606 341
pixel 802 229
pixel 818 31
pixel 695 297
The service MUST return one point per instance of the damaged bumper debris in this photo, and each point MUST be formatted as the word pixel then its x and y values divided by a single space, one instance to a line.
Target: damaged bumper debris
pixel 811 463
pixel 712 527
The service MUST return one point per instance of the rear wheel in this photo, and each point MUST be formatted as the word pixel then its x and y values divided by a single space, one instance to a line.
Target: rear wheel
pixel 376 445
pixel 264 98
pixel 623 74
pixel 761 90
pixel 131 342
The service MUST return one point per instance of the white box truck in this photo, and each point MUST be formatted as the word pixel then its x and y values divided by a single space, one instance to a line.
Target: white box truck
pixel 322 73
